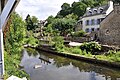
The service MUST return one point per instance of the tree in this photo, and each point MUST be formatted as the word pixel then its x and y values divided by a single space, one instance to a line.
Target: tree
pixel 116 1
pixel 49 20
pixel 31 22
pixel 16 35
pixel 71 16
pixel 65 10
pixel 64 26
pixel 65 6
pixel 79 8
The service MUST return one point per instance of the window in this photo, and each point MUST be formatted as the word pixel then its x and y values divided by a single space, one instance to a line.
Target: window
pixel 92 22
pixel 107 32
pixel 101 10
pixel 98 21
pixel 92 29
pixel 95 11
pixel 87 22
pixel 87 30
pixel 98 29
pixel 81 22
pixel 90 12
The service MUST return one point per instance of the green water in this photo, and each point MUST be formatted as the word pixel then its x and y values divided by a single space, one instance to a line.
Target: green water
pixel 53 67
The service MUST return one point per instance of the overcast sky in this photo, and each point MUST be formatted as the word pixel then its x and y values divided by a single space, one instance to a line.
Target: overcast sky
pixel 40 8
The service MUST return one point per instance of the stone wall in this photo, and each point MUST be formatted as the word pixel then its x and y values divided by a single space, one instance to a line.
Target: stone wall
pixel 110 28
pixel 77 39
pixel 78 26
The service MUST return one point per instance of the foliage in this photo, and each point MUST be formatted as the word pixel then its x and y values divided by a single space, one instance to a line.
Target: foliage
pixel 64 26
pixel 116 1
pixel 78 34
pixel 49 20
pixel 32 52
pixel 91 47
pixel 16 35
pixel 30 39
pixel 79 8
pixel 71 16
pixel 58 43
pixel 31 22
pixel 14 41
pixel 12 65
pixel 76 50
pixel 65 10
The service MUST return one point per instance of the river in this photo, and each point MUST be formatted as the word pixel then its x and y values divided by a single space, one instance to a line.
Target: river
pixel 53 67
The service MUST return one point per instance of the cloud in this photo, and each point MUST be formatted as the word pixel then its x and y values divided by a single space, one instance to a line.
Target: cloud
pixel 40 8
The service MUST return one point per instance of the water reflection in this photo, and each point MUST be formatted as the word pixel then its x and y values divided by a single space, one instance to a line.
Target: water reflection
pixel 60 68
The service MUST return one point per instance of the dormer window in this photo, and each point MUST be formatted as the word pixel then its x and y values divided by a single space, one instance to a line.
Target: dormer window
pixel 101 10
pixel 95 11
pixel 90 12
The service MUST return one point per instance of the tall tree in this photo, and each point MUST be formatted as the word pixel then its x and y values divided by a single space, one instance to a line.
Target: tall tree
pixel 31 22
pixel 65 10
pixel 79 8
pixel 116 1
pixel 64 26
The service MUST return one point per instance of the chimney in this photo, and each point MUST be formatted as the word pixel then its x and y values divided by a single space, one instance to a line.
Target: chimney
pixel 110 3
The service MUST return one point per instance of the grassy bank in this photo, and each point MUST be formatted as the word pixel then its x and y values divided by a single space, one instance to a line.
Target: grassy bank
pixel 90 50
pixel 111 56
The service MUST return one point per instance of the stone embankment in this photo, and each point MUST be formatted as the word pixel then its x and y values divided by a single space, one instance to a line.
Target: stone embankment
pixel 82 58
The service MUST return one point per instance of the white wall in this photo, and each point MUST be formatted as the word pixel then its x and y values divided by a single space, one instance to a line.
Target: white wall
pixel 110 7
pixel 90 18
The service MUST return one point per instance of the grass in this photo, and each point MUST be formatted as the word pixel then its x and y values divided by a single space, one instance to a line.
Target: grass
pixel 112 56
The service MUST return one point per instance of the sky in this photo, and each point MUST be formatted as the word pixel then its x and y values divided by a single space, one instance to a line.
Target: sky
pixel 40 8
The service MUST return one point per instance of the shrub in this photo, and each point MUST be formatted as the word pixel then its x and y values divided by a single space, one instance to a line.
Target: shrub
pixel 58 43
pixel 78 34
pixel 90 47
pixel 76 51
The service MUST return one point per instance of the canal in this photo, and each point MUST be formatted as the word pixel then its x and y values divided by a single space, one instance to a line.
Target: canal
pixel 53 67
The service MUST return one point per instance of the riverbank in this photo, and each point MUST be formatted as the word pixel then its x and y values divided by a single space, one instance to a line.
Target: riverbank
pixel 12 66
pixel 83 58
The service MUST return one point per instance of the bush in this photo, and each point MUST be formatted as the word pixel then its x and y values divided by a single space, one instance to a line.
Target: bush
pixel 13 44
pixel 91 47
pixel 58 43
pixel 76 51
pixel 78 34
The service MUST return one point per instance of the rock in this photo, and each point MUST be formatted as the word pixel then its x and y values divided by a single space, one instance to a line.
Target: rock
pixel 16 78
pixel 37 66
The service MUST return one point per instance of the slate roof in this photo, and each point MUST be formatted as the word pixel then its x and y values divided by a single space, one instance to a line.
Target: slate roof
pixel 104 8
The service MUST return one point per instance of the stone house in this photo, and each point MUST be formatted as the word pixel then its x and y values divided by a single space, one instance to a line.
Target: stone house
pixel 109 33
pixel 91 20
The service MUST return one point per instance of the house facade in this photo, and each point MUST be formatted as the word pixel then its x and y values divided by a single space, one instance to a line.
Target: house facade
pixel 93 17
pixel 109 33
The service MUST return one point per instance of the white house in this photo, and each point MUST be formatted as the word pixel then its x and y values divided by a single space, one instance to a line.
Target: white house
pixel 93 17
